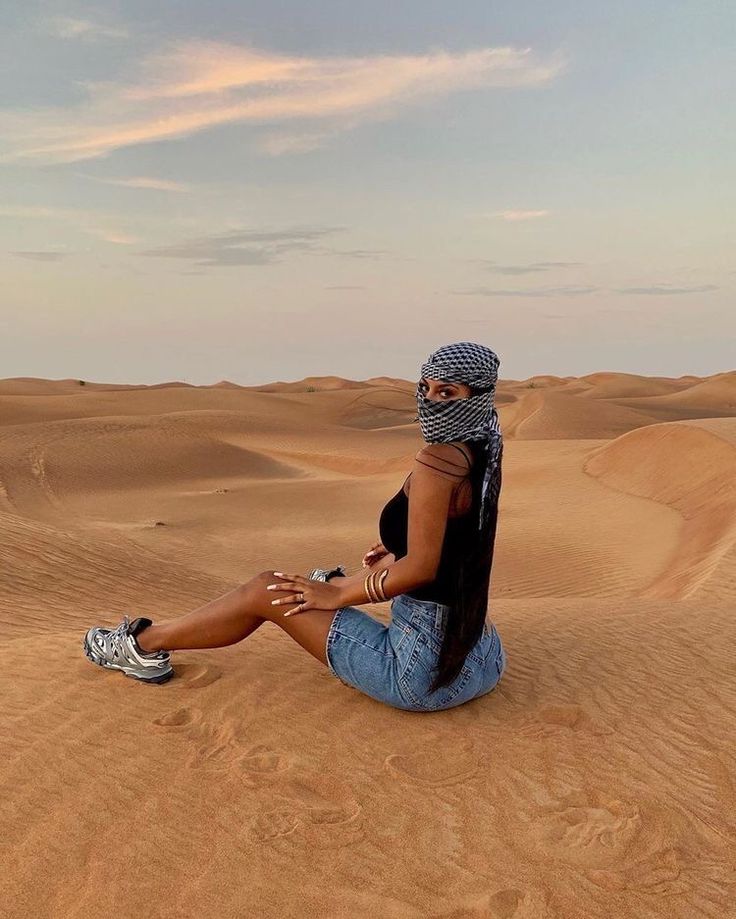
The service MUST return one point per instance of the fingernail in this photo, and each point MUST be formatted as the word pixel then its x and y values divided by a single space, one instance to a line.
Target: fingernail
pixel 277 573
pixel 270 587
pixel 287 614
pixel 274 601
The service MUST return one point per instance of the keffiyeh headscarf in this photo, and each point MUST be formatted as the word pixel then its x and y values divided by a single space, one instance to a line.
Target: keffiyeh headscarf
pixel 474 418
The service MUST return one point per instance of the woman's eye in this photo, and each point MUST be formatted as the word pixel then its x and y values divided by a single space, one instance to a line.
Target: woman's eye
pixel 423 388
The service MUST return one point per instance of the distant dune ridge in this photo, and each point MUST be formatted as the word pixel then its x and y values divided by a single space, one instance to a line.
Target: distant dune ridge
pixel 598 781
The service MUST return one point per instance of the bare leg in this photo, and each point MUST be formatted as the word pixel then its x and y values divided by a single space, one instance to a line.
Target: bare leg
pixel 236 615
pixel 221 622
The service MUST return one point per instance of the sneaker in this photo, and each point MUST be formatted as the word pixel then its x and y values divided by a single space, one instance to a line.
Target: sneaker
pixel 325 574
pixel 118 649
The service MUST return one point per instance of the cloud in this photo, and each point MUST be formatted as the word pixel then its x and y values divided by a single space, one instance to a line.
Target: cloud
pixel 92 222
pixel 69 27
pixel 357 253
pixel 280 144
pixel 40 256
pixel 113 236
pixel 141 182
pixel 194 85
pixel 518 215
pixel 527 269
pixel 568 291
pixel 244 247
pixel 572 291
pixel 659 289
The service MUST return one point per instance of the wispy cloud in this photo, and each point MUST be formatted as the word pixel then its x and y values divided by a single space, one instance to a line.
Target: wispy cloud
pixel 531 268
pixel 357 253
pixel 517 215
pixel 573 291
pixel 244 247
pixel 568 291
pixel 40 256
pixel 71 28
pixel 659 289
pixel 113 236
pixel 141 182
pixel 194 85
pixel 92 222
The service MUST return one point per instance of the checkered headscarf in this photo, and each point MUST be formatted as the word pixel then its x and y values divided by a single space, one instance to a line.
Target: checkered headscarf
pixel 474 418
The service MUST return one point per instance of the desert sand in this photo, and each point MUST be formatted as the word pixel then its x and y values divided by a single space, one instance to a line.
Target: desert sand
pixel 599 780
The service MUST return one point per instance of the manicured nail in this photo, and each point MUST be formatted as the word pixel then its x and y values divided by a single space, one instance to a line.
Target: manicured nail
pixel 274 601
pixel 278 574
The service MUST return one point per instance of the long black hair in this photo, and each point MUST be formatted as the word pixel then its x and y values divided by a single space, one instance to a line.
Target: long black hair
pixel 472 560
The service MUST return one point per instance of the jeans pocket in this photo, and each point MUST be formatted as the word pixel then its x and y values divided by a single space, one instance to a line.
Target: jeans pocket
pixel 420 671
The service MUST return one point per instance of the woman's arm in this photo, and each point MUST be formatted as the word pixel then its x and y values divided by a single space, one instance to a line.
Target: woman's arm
pixel 429 504
pixel 359 577
pixel 403 576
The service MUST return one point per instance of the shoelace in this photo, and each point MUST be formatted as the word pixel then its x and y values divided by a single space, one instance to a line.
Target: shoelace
pixel 116 636
pixel 121 632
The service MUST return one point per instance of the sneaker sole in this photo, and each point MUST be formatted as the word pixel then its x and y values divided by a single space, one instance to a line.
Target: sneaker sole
pixel 161 678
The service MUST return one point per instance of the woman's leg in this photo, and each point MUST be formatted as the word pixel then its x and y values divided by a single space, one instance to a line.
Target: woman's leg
pixel 234 616
pixel 220 622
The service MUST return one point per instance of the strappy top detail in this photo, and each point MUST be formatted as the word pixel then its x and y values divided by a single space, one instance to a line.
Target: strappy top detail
pixel 443 462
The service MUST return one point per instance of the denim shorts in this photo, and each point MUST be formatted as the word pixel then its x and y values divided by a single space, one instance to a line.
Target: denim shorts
pixel 396 663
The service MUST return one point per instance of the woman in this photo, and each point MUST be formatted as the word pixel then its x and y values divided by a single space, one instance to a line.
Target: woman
pixel 434 563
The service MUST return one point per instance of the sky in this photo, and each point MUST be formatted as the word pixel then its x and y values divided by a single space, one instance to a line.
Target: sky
pixel 266 191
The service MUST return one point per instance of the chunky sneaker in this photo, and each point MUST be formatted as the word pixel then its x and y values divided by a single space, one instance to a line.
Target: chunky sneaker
pixel 118 649
pixel 325 574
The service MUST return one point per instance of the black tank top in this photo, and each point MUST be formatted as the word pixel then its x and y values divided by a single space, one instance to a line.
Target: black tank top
pixel 393 530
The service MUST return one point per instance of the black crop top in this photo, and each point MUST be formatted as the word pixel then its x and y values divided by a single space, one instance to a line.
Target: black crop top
pixel 393 530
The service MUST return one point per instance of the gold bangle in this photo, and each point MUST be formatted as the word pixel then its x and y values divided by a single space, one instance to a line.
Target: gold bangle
pixel 381 578
pixel 367 589
pixel 374 589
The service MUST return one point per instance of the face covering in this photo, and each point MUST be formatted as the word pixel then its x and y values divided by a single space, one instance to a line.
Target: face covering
pixel 473 418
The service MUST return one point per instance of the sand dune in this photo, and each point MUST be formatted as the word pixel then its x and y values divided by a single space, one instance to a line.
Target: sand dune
pixel 598 781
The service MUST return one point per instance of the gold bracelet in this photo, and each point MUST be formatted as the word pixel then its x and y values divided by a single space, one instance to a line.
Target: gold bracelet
pixel 381 578
pixel 373 585
pixel 366 583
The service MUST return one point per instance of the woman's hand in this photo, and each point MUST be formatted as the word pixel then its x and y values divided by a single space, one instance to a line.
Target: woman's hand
pixel 374 554
pixel 316 594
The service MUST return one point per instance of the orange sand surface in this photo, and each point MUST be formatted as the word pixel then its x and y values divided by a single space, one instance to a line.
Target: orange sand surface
pixel 599 780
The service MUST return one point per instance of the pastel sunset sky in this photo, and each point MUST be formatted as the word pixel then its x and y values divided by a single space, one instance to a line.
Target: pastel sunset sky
pixel 261 191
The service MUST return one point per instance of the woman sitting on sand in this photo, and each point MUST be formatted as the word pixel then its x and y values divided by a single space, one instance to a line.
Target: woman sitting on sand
pixel 434 563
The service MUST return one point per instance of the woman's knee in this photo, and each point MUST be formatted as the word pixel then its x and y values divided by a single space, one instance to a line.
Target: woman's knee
pixel 256 598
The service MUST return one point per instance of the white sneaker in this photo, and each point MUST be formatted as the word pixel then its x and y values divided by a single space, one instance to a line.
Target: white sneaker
pixel 117 649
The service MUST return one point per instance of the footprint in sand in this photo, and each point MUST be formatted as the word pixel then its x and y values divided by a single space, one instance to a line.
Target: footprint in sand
pixel 320 813
pixel 509 903
pixel 661 873
pixel 589 829
pixel 437 764
pixel 177 719
pixel 219 746
pixel 549 719
pixel 196 676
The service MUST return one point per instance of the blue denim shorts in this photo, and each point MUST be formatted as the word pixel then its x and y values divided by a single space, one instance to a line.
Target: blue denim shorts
pixel 396 663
